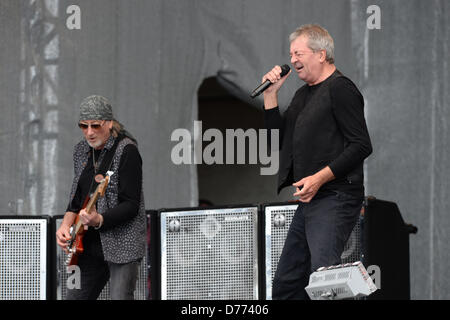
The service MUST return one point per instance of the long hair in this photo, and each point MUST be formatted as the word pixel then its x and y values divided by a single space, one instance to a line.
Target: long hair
pixel 119 129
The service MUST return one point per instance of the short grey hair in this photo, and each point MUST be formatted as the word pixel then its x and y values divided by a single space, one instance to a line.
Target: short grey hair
pixel 318 39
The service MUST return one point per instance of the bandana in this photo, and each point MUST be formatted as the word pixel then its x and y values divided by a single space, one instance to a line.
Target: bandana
pixel 95 108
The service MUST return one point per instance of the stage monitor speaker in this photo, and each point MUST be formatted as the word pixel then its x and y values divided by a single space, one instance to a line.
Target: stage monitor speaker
pixel 62 274
pixel 24 258
pixel 208 253
pixel 277 219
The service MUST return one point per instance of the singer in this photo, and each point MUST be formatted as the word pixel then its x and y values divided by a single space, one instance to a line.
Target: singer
pixel 324 141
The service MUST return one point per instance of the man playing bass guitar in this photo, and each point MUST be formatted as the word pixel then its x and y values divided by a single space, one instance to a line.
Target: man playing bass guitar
pixel 115 228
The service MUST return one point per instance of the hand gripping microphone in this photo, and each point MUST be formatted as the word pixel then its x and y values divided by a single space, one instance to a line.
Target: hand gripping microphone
pixel 263 86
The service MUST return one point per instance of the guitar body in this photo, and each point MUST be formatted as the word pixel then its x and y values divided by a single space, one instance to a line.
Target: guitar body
pixel 77 245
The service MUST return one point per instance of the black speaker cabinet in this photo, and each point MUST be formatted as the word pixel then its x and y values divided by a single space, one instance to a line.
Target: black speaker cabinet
pixel 207 253
pixel 61 273
pixel 386 247
pixel 24 258
pixel 277 219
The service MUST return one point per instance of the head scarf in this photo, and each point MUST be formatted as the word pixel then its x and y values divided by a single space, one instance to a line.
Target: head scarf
pixel 95 107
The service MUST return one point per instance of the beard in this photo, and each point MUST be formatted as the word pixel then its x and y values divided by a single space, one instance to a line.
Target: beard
pixel 95 144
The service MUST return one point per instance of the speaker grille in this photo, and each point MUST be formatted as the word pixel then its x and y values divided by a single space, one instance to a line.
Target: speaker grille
pixel 353 248
pixel 23 259
pixel 209 254
pixel 61 277
pixel 278 219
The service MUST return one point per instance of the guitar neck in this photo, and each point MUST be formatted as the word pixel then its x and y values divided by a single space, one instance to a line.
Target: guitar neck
pixel 91 203
pixel 99 191
pixel 88 208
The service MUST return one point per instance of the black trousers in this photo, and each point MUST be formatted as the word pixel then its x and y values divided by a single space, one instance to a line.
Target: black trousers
pixel 316 238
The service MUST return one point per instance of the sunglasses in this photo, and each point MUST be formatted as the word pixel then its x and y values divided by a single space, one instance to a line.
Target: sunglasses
pixel 94 126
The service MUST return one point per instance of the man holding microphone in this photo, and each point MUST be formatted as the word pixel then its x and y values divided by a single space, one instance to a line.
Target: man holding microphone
pixel 324 141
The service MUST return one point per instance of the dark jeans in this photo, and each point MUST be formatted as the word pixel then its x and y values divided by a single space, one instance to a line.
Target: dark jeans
pixel 316 238
pixel 95 273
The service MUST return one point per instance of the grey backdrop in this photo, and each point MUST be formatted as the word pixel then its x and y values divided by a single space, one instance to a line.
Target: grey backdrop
pixel 149 57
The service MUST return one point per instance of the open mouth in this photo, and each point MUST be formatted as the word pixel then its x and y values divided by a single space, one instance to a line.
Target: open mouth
pixel 298 68
pixel 92 140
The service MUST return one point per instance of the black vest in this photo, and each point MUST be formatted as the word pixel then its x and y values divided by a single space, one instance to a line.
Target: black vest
pixel 316 138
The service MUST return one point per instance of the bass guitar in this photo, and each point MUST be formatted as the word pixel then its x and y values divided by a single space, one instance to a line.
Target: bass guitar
pixel 77 231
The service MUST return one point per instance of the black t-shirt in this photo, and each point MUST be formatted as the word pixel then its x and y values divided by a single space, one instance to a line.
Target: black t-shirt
pixel 348 110
pixel 351 118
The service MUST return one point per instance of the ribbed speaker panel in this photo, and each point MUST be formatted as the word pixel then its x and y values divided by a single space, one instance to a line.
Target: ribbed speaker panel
pixel 209 254
pixel 23 259
pixel 278 219
pixel 62 274
pixel 277 222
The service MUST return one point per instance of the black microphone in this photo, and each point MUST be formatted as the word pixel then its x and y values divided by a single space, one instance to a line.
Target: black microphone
pixel 263 86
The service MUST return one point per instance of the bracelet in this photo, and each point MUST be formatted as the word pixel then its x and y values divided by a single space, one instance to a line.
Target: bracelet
pixel 100 224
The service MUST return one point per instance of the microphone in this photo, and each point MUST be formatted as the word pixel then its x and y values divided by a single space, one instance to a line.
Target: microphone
pixel 263 86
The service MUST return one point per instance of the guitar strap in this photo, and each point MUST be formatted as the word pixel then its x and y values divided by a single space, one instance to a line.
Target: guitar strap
pixel 106 163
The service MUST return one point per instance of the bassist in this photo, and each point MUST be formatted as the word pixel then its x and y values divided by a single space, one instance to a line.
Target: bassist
pixel 114 239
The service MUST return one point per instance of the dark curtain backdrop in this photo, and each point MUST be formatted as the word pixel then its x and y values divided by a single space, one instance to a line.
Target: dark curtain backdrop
pixel 149 57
